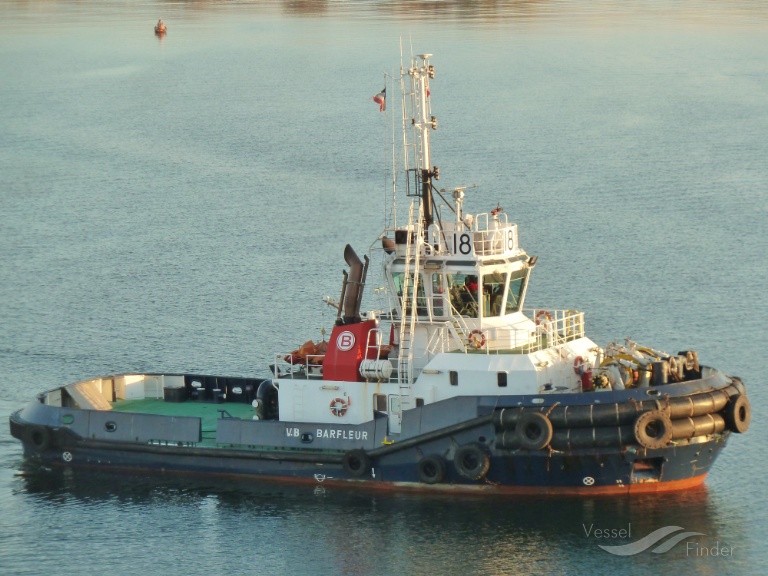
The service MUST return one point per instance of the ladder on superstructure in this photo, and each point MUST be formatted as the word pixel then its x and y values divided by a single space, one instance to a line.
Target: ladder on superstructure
pixel 409 306
pixel 419 147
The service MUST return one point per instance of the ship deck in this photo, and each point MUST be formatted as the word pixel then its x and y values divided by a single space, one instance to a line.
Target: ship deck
pixel 208 412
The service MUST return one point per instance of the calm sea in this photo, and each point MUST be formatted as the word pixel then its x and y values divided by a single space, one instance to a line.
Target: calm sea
pixel 181 204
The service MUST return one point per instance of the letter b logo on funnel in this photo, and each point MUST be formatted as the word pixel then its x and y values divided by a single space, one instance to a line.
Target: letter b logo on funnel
pixel 345 341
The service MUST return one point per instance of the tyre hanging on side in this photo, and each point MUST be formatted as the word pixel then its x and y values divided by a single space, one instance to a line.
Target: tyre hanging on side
pixel 471 461
pixel 432 469
pixel 534 430
pixel 738 414
pixel 39 437
pixel 356 462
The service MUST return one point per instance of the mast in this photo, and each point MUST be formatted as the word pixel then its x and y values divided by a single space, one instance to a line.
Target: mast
pixel 422 122
pixel 421 216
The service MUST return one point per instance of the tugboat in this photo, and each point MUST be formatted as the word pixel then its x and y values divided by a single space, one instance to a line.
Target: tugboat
pixel 452 385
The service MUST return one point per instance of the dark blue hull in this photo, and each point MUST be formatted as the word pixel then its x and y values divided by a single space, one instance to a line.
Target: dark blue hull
pixel 635 440
pixel 431 462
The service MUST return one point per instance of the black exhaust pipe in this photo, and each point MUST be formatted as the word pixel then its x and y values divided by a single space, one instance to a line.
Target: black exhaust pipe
pixel 354 292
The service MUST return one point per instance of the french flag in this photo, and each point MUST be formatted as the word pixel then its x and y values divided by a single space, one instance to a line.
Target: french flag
pixel 381 99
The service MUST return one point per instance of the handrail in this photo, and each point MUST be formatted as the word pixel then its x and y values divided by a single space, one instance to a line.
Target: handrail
pixel 550 328
pixel 310 366
pixel 376 346
pixel 499 219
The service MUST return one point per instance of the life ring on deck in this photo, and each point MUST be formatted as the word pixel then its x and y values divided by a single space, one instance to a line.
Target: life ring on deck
pixel 580 366
pixel 471 461
pixel 432 469
pixel 533 430
pixel 476 339
pixel 339 406
pixel 653 429
pixel 543 314
pixel 738 414
pixel 356 462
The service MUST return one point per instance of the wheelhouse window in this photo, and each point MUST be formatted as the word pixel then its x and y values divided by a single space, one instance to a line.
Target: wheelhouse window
pixel 463 289
pixel 398 279
pixel 517 282
pixel 493 293
pixel 466 294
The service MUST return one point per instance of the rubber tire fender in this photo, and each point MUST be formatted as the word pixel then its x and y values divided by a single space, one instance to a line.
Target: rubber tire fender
pixel 39 437
pixel 471 461
pixel 653 429
pixel 534 430
pixel 356 462
pixel 738 414
pixel 432 469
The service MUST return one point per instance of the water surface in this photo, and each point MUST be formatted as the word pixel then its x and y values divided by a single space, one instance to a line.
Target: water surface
pixel 182 204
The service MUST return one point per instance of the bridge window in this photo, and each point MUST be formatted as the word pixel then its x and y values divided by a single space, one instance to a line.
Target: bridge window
pixel 516 291
pixel 463 289
pixel 493 293
pixel 399 278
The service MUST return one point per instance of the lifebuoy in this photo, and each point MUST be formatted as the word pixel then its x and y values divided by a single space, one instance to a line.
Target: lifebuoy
pixel 653 429
pixel 543 314
pixel 356 462
pixel 580 366
pixel 432 469
pixel 476 339
pixel 534 430
pixel 471 461
pixel 738 414
pixel 339 406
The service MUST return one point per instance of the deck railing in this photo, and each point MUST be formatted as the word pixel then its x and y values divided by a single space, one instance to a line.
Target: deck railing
pixel 549 328
pixel 556 327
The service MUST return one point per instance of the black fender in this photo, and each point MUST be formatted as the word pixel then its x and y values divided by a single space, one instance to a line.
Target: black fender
pixel 534 430
pixel 471 461
pixel 432 469
pixel 653 429
pixel 356 462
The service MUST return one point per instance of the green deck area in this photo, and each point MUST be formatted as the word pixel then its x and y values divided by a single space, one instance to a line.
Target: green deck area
pixel 208 412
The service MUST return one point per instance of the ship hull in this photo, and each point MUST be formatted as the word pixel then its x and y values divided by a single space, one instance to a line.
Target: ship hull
pixel 469 455
pixel 588 473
